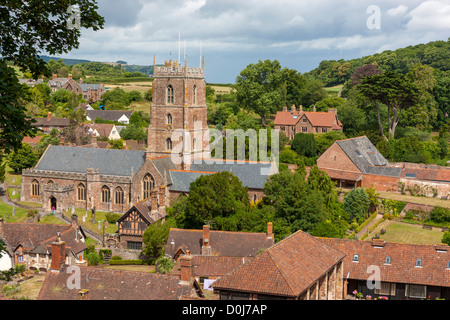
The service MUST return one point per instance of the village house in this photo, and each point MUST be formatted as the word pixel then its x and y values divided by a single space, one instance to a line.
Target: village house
pixel 90 92
pixel 291 122
pixel 356 162
pixel 110 284
pixel 30 244
pixel 104 130
pixel 300 267
pixel 406 271
pixel 121 116
pixel 48 123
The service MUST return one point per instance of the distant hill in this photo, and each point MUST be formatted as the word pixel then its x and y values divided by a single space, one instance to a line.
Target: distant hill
pixel 67 62
pixel 434 54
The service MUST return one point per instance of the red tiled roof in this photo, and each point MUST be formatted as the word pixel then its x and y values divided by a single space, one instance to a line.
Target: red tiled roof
pixel 322 119
pixel 108 284
pixel 216 266
pixel 343 175
pixel 287 118
pixel 285 269
pixel 402 268
pixel 32 140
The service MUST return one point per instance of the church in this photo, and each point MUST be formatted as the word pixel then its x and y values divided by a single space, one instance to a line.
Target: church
pixel 177 154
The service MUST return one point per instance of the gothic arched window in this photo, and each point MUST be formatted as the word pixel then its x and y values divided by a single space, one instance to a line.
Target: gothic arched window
pixel 168 144
pixel 169 94
pixel 194 95
pixel 169 119
pixel 106 194
pixel 118 195
pixel 35 188
pixel 148 183
pixel 81 192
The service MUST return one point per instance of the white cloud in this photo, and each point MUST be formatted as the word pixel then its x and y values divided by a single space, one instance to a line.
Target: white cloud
pixel 430 15
pixel 398 11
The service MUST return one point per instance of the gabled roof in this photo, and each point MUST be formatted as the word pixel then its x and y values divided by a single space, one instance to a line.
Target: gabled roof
pixel 109 284
pixel 60 122
pixel 79 159
pixel 37 237
pixel 252 174
pixel 144 208
pixel 103 129
pixel 366 157
pixel 323 119
pixel 209 266
pixel 286 269
pixel 113 115
pixel 402 267
pixel 223 243
pixel 287 118
pixel 91 86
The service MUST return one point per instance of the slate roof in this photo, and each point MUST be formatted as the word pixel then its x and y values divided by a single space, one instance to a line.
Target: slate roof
pixel 223 243
pixel 34 235
pixel 286 269
pixel 60 122
pixel 181 180
pixel 367 158
pixel 78 159
pixel 402 268
pixel 113 115
pixel 109 284
pixel 251 173
pixel 86 86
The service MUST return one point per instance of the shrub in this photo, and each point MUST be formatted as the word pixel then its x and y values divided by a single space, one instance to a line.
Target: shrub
pixel 116 258
pixel 164 264
pixel 93 259
pixel 126 262
pixel 446 238
pixel 439 214
pixel 112 217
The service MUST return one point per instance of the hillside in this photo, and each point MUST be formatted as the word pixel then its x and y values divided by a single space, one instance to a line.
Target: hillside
pixel 336 72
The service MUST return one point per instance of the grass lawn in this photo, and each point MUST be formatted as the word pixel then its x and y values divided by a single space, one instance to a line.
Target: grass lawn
pixel 29 289
pixel 20 214
pixel 99 216
pixel 11 178
pixel 421 200
pixel 407 233
pixel 333 91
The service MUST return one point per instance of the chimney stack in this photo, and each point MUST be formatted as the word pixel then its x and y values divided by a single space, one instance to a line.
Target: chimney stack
pixel 162 196
pixel 314 108
pixel 284 109
pixel 58 253
pixel 154 200
pixel 49 116
pixel 206 243
pixel 301 109
pixel 70 76
pixel 293 108
pixel 187 266
pixel 54 76
pixel 269 230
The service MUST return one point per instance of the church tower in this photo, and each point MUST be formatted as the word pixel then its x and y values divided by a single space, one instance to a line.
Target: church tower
pixel 178 116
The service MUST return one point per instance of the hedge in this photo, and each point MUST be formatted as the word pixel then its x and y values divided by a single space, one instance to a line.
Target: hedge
pixel 126 262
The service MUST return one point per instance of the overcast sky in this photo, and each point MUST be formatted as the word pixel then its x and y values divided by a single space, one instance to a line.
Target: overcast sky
pixel 232 34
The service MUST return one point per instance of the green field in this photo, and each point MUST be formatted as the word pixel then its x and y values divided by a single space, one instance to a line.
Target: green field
pixel 407 233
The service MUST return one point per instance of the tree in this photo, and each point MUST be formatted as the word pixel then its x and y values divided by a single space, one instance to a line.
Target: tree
pixel 27 28
pixel 258 88
pixel 23 158
pixel 52 138
pixel 133 131
pixel 155 238
pixel 305 144
pixel 218 197
pixel 356 204
pixel 392 89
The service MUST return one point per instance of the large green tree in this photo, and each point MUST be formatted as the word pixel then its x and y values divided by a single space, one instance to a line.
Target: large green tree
pixel 258 88
pixel 27 29
pixel 395 90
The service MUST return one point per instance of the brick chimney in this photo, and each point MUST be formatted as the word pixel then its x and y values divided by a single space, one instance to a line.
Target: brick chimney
pixel 206 243
pixel 314 108
pixel 162 196
pixel 154 200
pixel 58 253
pixel 70 76
pixel 293 108
pixel 331 110
pixel 284 109
pixel 301 109
pixel 54 76
pixel 269 230
pixel 49 116
pixel 187 267
pixel 61 141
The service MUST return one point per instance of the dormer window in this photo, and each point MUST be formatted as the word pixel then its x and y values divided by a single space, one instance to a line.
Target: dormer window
pixel 387 260
pixel 418 262
pixel 355 258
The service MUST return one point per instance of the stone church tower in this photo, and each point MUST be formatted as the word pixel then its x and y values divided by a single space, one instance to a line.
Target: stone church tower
pixel 178 124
